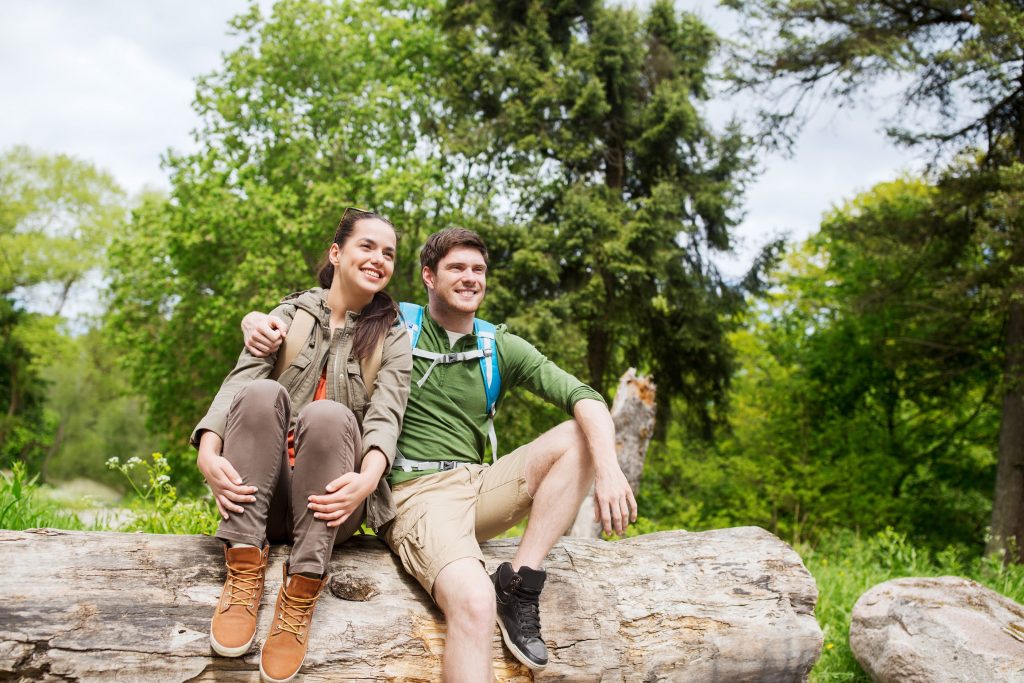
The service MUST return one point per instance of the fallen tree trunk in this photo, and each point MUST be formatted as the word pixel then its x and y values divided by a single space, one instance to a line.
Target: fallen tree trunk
pixel 633 414
pixel 727 605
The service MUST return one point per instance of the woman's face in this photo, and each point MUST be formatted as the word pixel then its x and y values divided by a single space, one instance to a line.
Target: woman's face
pixel 366 261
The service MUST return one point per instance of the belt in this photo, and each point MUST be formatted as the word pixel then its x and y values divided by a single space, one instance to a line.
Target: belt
pixel 406 465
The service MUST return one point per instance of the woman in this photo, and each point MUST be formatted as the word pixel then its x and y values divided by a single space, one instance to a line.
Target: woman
pixel 301 458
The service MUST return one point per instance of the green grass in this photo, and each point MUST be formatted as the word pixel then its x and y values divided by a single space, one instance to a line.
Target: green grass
pixel 153 505
pixel 847 565
pixel 22 507
pixel 156 507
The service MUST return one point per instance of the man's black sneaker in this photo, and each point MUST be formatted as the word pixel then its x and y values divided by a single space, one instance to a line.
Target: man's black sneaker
pixel 518 595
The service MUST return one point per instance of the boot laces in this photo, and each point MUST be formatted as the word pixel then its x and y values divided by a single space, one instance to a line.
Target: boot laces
pixel 243 585
pixel 295 613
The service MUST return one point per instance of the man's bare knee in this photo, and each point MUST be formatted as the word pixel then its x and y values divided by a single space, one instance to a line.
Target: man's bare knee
pixel 564 441
pixel 466 596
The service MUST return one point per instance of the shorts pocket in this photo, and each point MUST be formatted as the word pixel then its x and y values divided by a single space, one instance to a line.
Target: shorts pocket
pixel 404 525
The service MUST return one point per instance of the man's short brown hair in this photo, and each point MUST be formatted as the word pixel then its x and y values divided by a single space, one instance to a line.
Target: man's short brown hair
pixel 441 242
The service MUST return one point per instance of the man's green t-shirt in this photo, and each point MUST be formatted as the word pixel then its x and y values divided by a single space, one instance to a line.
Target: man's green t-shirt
pixel 446 418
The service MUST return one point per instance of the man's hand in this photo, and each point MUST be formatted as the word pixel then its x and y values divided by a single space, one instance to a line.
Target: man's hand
pixel 614 504
pixel 228 490
pixel 263 334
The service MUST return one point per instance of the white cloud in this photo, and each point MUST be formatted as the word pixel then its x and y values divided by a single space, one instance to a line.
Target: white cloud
pixel 109 82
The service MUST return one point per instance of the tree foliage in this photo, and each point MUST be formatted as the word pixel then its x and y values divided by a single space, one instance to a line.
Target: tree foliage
pixel 56 216
pixel 96 412
pixel 324 105
pixel 960 66
pixel 962 70
pixel 616 190
pixel 436 115
pixel 868 381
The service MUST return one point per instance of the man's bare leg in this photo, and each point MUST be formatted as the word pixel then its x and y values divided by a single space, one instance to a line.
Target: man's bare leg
pixel 559 473
pixel 465 594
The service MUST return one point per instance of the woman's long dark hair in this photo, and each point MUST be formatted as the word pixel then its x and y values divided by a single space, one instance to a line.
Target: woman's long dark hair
pixel 380 314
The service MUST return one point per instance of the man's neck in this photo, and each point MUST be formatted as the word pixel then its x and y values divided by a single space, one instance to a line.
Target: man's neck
pixel 451 320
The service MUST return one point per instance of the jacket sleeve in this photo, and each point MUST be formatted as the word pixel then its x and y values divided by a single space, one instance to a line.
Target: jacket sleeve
pixel 524 365
pixel 382 419
pixel 247 369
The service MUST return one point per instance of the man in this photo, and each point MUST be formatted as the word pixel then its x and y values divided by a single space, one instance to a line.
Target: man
pixel 447 500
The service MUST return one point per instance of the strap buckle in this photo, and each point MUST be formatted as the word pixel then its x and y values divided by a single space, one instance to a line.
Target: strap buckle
pixel 447 465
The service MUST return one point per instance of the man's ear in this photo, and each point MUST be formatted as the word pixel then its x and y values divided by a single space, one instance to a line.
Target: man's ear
pixel 334 255
pixel 428 277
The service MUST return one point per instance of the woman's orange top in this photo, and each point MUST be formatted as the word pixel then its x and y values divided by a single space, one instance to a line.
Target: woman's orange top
pixel 319 395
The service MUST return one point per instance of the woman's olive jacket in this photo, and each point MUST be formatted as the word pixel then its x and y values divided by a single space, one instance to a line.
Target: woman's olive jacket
pixel 380 416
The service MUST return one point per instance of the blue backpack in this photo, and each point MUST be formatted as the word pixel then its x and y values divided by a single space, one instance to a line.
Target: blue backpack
pixel 486 352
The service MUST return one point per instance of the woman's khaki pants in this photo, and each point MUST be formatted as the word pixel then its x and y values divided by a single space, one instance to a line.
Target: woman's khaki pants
pixel 327 445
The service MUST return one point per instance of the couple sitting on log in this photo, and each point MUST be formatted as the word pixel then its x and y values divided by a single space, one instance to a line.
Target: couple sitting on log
pixel 357 424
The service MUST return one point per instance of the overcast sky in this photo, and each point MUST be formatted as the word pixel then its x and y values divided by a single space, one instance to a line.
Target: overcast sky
pixel 113 81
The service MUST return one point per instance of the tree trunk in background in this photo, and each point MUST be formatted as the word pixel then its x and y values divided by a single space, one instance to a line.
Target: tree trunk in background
pixel 727 605
pixel 633 412
pixel 1008 506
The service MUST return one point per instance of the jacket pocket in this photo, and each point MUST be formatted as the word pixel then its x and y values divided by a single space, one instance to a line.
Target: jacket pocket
pixel 356 388
pixel 292 374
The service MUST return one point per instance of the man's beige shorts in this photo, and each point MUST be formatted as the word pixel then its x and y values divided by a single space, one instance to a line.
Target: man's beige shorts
pixel 443 517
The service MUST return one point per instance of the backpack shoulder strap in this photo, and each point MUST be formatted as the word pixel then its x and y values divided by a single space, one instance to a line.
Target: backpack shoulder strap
pixel 486 341
pixel 298 332
pixel 370 366
pixel 412 318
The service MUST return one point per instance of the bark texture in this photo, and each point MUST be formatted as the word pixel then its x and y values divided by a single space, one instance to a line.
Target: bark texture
pixel 919 630
pixel 727 605
pixel 633 412
pixel 1008 504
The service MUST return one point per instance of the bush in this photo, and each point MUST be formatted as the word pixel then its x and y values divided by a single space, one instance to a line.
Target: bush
pixel 156 508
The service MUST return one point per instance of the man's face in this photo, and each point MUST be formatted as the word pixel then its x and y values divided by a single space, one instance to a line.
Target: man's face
pixel 459 283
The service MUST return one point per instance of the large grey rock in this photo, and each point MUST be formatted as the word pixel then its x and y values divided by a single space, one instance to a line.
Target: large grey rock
pixel 727 605
pixel 926 630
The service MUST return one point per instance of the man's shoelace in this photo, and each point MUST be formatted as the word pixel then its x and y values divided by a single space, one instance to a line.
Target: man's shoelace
pixel 528 610
pixel 243 584
pixel 295 613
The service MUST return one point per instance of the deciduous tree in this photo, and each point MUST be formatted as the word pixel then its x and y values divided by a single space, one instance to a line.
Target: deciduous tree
pixel 960 67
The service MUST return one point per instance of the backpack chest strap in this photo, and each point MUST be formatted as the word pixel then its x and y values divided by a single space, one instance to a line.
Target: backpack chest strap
pixel 447 359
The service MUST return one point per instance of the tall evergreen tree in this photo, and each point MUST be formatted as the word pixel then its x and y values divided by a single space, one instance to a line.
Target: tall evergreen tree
pixel 616 190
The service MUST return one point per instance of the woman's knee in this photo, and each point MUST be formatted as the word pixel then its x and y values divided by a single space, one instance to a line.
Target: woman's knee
pixel 328 416
pixel 328 427
pixel 261 400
